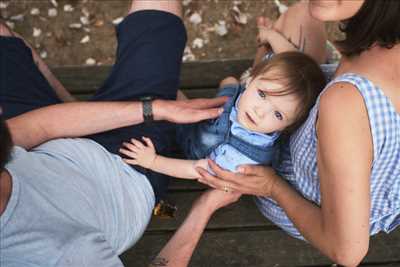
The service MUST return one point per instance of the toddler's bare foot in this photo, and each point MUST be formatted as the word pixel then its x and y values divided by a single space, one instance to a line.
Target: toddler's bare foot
pixel 228 81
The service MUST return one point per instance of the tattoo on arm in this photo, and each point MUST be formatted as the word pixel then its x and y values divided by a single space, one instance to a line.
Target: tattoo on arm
pixel 159 262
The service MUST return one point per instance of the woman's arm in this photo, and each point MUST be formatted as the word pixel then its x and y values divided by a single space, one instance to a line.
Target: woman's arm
pixel 340 227
pixel 145 156
pixel 83 118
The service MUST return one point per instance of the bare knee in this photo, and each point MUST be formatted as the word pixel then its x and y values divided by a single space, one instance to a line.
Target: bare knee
pixel 307 33
pixel 4 30
pixel 171 6
pixel 228 81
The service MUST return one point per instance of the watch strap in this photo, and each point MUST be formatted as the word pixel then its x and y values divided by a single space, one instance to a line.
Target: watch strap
pixel 147 109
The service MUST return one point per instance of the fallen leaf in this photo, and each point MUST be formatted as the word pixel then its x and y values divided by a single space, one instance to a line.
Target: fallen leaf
pixel 85 39
pixel 75 25
pixel 239 17
pixel 10 24
pixel 68 8
pixel 186 2
pixel 281 7
pixel 90 62
pixel 198 43
pixel 52 12
pixel 188 55
pixel 84 20
pixel 36 32
pixel 117 20
pixel 35 11
pixel 195 18
pixel 3 5
pixel 220 28
pixel 43 54
pixel 99 23
pixel 54 3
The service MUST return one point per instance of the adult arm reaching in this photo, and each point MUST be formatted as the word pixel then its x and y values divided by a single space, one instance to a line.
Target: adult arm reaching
pixel 84 118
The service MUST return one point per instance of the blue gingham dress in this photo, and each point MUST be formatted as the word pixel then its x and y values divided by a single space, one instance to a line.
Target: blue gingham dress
pixel 298 162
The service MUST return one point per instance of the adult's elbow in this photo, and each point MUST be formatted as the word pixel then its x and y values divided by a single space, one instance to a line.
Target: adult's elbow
pixel 350 256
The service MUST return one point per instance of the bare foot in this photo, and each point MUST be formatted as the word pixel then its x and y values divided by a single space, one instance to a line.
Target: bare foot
pixel 228 81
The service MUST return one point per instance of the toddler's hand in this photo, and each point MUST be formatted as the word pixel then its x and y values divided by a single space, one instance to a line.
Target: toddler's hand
pixel 138 153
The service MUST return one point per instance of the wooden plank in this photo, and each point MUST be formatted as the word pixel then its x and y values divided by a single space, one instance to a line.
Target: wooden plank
pixel 199 74
pixel 244 212
pixel 260 248
pixel 185 185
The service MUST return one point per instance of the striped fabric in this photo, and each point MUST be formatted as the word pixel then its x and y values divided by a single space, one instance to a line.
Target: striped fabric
pixel 298 163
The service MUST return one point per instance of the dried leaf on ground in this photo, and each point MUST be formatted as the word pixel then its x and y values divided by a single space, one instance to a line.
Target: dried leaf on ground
pixel 85 39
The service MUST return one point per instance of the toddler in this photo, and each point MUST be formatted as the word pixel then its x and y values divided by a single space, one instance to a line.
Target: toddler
pixel 274 99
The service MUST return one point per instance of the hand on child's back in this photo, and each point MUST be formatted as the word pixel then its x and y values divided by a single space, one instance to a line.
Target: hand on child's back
pixel 139 153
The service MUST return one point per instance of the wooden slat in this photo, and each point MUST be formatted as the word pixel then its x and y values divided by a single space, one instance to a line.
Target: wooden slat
pixel 259 248
pixel 185 185
pixel 240 215
pixel 200 74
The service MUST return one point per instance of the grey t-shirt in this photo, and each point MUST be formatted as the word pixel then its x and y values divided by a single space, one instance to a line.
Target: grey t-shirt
pixel 72 204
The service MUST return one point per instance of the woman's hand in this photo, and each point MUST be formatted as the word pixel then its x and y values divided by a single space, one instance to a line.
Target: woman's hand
pixel 188 111
pixel 251 179
pixel 138 153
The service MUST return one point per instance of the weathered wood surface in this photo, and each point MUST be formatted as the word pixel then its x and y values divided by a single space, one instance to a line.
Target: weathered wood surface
pixel 259 248
pixel 195 75
pixel 241 215
pixel 237 235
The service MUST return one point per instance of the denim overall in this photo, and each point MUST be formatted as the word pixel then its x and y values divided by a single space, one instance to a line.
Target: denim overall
pixel 199 140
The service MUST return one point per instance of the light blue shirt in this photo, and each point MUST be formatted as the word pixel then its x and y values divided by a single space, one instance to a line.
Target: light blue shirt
pixel 72 204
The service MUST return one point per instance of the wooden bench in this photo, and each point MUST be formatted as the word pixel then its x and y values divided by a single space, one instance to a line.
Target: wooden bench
pixel 237 235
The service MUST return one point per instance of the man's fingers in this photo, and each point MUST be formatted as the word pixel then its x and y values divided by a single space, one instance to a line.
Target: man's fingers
pixel 200 115
pixel 205 103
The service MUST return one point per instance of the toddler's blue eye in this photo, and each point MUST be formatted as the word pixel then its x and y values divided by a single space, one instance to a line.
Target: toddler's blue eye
pixel 261 93
pixel 278 115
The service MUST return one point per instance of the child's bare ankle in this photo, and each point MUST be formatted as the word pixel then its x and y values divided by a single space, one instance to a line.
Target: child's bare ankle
pixel 228 81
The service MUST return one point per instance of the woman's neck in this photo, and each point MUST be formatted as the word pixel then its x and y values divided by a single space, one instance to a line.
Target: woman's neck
pixel 5 190
pixel 381 66
pixel 385 60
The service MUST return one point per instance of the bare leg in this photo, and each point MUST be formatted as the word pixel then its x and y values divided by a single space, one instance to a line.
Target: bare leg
pixel 261 50
pixel 60 90
pixel 305 32
pixel 228 81
pixel 171 6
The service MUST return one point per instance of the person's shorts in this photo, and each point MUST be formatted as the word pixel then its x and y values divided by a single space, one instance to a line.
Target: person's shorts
pixel 148 61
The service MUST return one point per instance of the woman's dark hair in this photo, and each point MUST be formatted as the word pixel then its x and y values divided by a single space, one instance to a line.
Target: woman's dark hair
pixel 5 143
pixel 376 22
pixel 301 76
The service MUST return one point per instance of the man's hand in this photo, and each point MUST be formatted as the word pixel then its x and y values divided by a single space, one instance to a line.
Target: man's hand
pixel 188 111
